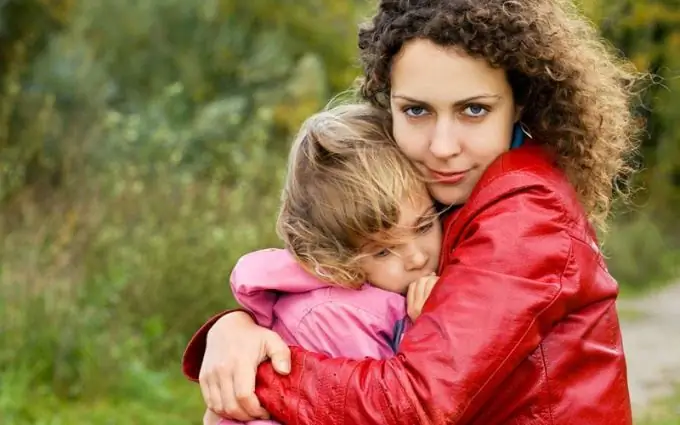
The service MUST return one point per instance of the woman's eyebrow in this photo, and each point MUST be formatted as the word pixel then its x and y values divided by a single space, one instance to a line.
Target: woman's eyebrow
pixel 478 97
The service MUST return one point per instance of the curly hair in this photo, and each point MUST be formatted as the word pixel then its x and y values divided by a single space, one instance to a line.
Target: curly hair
pixel 346 182
pixel 576 92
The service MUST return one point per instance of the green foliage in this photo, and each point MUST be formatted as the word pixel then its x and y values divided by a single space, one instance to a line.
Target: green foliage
pixel 644 246
pixel 142 151
pixel 25 28
pixel 640 253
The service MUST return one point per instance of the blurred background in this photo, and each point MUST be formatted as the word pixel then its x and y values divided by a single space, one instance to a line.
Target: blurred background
pixel 142 149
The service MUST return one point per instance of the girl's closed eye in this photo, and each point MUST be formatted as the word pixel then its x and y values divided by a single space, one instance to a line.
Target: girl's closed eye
pixel 382 253
pixel 425 227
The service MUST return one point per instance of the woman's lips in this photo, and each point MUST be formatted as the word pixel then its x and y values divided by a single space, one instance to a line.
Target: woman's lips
pixel 448 177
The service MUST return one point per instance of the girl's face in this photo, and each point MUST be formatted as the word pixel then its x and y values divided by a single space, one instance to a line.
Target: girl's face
pixel 394 266
pixel 452 115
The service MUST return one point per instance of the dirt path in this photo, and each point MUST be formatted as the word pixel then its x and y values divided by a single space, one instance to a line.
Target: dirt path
pixel 651 337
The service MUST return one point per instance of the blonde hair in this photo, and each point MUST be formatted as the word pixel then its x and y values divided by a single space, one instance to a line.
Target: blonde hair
pixel 346 181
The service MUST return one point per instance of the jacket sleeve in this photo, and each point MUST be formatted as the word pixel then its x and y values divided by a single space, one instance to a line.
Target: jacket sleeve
pixel 499 294
pixel 251 283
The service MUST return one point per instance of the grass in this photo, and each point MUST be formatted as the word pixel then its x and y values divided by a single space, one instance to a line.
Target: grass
pixel 171 401
pixel 663 412
pixel 166 398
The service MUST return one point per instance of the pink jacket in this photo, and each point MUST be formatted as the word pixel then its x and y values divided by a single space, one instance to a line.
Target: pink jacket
pixel 308 312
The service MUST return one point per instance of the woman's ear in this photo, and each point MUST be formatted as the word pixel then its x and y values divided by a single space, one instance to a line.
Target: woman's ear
pixel 518 112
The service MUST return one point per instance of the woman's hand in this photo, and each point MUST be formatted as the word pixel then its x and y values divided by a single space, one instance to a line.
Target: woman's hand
pixel 210 418
pixel 235 347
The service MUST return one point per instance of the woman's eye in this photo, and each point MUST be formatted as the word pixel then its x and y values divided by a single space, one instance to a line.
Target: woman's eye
pixel 476 111
pixel 415 111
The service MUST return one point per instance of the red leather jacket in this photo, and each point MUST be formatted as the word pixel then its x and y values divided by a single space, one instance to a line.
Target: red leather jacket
pixel 520 329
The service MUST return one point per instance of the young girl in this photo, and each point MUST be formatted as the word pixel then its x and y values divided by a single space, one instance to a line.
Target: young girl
pixel 370 237
pixel 521 327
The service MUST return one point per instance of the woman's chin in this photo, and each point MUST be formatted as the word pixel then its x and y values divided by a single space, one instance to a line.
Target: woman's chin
pixel 449 194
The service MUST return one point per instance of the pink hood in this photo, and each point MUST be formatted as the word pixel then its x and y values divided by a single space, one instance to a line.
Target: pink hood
pixel 259 277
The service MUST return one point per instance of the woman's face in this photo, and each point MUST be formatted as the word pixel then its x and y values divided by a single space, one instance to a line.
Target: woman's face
pixel 452 115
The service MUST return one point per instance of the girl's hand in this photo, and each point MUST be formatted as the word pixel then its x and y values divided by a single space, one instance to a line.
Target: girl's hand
pixel 235 347
pixel 417 294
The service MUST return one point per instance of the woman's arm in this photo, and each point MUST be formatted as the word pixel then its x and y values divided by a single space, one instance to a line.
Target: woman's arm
pixel 499 294
pixel 233 346
pixel 256 280
pixel 192 360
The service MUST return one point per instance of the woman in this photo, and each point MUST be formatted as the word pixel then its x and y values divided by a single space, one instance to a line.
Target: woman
pixel 521 327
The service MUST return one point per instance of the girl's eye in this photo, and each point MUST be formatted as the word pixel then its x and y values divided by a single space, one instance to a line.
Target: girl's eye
pixel 382 253
pixel 475 111
pixel 425 228
pixel 415 111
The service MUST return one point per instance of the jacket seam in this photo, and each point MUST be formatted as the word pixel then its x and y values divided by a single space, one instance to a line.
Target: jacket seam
pixel 570 254
pixel 411 403
pixel 539 181
pixel 345 396
pixel 311 309
pixel 598 256
pixel 547 384
pixel 554 299
pixel 386 402
pixel 301 322
pixel 299 388
pixel 541 346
